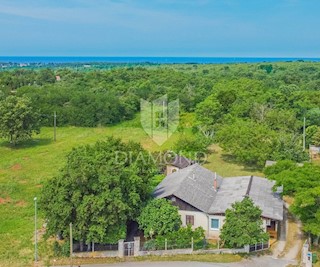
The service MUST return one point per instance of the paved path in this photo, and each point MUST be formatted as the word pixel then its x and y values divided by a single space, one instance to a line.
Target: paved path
pixel 264 261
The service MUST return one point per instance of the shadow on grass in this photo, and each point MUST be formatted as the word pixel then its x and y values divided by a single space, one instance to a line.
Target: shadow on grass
pixel 27 143
pixel 246 167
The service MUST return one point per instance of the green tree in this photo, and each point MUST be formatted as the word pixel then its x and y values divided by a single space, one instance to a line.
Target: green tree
pixel 243 225
pixel 313 116
pixel 316 138
pixel 194 147
pixel 282 120
pixel 307 207
pixel 310 132
pixel 295 179
pixel 99 190
pixel 280 166
pixel 249 142
pixel 159 217
pixel 209 112
pixel 18 119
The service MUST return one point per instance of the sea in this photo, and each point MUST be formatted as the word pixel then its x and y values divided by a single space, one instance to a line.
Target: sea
pixel 152 60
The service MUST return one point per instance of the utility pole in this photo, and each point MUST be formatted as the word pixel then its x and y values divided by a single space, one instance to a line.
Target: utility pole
pixel 55 126
pixel 35 230
pixel 304 133
pixel 71 245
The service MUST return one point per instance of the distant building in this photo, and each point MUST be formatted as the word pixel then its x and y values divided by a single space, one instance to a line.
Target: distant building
pixel 58 78
pixel 203 198
pixel 270 163
pixel 179 162
pixel 314 152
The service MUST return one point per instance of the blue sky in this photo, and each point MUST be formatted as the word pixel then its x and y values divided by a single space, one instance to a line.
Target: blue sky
pixel 225 28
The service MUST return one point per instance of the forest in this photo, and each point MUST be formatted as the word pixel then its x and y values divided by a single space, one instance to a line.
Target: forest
pixel 253 111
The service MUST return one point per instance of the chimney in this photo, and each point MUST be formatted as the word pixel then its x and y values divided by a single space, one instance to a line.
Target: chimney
pixel 215 184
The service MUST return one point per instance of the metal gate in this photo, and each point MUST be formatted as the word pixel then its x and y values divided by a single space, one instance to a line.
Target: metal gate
pixel 128 249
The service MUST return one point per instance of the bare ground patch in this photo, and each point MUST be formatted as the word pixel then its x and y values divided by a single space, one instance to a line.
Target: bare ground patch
pixel 5 200
pixel 16 167
pixel 21 203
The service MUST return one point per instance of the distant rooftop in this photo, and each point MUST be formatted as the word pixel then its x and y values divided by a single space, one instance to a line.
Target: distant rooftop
pixel 181 162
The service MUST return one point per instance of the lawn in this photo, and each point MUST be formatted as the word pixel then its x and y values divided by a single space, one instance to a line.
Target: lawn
pixel 226 166
pixel 23 170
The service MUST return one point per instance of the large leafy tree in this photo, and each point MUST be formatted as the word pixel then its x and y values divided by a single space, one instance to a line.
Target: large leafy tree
pixel 18 119
pixel 194 147
pixel 159 217
pixel 307 207
pixel 99 190
pixel 243 225
pixel 294 178
pixel 303 183
pixel 254 143
pixel 316 137
pixel 249 142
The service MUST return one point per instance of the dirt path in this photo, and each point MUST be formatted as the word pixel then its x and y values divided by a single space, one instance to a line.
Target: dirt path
pixel 291 252
pixel 291 238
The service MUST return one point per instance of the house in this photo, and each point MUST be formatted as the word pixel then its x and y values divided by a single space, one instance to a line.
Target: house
pixel 178 162
pixel 270 163
pixel 314 152
pixel 203 198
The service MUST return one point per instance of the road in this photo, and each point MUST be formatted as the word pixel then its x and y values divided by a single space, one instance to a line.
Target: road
pixel 265 261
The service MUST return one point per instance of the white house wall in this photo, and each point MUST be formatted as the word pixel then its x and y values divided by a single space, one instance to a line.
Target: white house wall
pixel 200 219
pixel 203 220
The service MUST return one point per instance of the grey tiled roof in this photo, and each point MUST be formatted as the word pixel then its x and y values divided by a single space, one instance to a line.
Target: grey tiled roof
pixel 193 185
pixel 268 201
pixel 181 162
pixel 235 188
pixel 232 189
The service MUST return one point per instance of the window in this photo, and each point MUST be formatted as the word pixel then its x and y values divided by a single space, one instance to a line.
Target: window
pixel 189 219
pixel 215 224
pixel 268 222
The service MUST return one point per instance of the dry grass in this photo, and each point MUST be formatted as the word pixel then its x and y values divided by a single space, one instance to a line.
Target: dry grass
pixel 288 200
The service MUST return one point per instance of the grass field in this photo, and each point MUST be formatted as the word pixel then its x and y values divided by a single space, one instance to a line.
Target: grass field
pixel 23 170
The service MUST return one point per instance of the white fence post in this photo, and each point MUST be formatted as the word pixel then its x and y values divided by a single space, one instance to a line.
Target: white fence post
pixel 165 244
pixel 121 248
pixel 136 247
pixel 192 243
